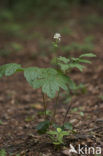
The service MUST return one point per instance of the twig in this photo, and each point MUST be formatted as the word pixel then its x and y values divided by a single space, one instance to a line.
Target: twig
pixel 68 110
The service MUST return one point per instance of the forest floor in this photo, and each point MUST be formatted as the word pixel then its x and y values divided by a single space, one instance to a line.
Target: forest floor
pixel 19 103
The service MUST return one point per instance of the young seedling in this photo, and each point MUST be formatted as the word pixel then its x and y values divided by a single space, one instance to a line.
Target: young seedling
pixel 51 81
pixel 57 136
pixel 2 152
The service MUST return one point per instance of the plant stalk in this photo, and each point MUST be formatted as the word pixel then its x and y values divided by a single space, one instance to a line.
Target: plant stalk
pixel 55 109
pixel 68 110
pixel 45 106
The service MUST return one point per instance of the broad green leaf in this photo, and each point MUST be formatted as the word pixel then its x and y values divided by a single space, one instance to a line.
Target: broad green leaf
pixel 74 59
pixel 76 65
pixel 49 79
pixel 43 126
pixel 72 85
pixel 63 63
pixel 84 61
pixel 63 67
pixel 63 59
pixel 87 55
pixel 79 60
pixel 53 82
pixel 9 69
pixel 34 76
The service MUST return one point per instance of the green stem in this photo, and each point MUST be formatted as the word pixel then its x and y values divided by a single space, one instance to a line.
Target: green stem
pixel 45 106
pixel 55 109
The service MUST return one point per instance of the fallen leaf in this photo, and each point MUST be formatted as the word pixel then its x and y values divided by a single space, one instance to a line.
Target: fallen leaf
pixel 37 106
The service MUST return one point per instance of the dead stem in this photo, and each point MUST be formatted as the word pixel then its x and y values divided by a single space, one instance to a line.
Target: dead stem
pixel 68 110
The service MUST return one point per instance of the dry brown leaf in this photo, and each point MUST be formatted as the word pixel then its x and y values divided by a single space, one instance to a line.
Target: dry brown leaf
pixel 37 106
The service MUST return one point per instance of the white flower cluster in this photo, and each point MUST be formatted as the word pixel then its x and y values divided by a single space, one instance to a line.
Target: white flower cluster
pixel 57 36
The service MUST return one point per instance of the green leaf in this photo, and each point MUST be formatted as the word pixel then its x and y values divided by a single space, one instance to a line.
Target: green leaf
pixel 48 113
pixel 32 74
pixel 2 152
pixel 87 55
pixel 63 63
pixel 49 79
pixel 76 65
pixel 79 60
pixel 52 133
pixel 57 143
pixel 65 133
pixel 63 67
pixel 43 126
pixel 84 61
pixel 74 59
pixel 59 130
pixel 72 85
pixel 68 125
pixel 9 69
pixel 63 59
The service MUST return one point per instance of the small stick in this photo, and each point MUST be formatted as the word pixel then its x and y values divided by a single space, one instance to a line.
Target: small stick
pixel 68 110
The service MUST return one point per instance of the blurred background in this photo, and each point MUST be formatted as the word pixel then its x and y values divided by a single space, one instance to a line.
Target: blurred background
pixel 28 26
